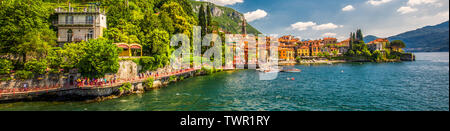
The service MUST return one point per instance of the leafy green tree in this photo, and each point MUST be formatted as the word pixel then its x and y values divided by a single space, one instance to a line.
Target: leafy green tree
pixel 148 63
pixel 366 53
pixel 101 57
pixel 397 44
pixel 359 53
pixel 156 42
pixel 36 66
pixel 5 66
pixel 55 58
pixel 25 24
pixel 377 55
pixel 72 55
pixel 182 22
pixel 350 53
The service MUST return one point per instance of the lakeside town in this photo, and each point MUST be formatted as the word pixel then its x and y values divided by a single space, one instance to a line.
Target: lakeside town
pixel 91 59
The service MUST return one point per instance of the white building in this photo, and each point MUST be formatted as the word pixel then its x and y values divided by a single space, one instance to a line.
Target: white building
pixel 377 44
pixel 79 24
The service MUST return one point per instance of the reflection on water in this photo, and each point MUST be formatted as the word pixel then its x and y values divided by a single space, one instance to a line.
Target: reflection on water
pixel 419 85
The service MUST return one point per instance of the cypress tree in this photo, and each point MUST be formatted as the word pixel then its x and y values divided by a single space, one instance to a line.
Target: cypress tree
pixel 359 35
pixel 209 18
pixel 202 19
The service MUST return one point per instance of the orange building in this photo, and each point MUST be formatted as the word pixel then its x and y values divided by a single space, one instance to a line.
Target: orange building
pixel 286 54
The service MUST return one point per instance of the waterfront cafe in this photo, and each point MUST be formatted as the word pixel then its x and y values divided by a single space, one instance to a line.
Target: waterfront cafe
pixel 130 50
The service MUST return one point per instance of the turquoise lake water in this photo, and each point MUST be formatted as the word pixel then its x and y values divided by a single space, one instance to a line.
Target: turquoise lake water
pixel 422 85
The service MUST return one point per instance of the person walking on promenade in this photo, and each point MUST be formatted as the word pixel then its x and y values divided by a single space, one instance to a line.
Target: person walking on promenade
pixel 115 78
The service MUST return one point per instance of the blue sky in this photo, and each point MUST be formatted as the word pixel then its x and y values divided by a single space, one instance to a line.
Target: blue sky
pixel 313 19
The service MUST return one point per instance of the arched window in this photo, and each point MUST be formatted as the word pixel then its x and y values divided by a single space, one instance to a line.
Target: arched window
pixel 90 34
pixel 69 35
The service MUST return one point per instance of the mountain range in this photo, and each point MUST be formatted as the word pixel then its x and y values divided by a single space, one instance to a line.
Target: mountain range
pixel 228 19
pixel 427 39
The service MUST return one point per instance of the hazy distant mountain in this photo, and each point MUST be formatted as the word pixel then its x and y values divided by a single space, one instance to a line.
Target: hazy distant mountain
pixel 426 39
pixel 369 38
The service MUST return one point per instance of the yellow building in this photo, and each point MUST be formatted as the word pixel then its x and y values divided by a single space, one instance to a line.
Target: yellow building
pixel 303 51
pixel 315 50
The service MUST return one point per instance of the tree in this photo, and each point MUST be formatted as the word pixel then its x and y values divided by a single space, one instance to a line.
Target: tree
pixel 182 22
pixel 101 57
pixel 359 35
pixel 377 55
pixel 156 42
pixel 55 58
pixel 335 52
pixel 5 66
pixel 24 24
pixel 397 45
pixel 36 66
pixel 72 55
pixel 209 18
pixel 358 53
pixel 202 19
pixel 350 53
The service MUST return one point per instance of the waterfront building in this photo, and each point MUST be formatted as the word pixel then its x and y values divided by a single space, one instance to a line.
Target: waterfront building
pixel 329 41
pixel 303 51
pixel 79 24
pixel 377 44
pixel 344 43
pixel 286 54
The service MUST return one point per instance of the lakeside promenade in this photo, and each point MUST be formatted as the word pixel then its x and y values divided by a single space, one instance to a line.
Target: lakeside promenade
pixel 93 85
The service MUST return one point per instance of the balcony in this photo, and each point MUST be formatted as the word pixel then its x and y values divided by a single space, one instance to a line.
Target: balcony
pixel 73 23
pixel 80 10
pixel 74 39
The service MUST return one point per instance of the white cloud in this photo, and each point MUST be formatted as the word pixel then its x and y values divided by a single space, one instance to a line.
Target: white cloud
pixel 327 26
pixel 444 14
pixel 420 2
pixel 303 25
pixel 406 9
pixel 224 2
pixel 255 15
pixel 348 8
pixel 329 34
pixel 378 2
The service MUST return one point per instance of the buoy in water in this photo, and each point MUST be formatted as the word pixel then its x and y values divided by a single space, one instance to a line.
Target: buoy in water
pixel 342 71
pixel 293 78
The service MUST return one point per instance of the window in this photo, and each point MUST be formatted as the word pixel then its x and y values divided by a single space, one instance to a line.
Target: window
pixel 89 19
pixel 69 35
pixel 90 34
pixel 69 19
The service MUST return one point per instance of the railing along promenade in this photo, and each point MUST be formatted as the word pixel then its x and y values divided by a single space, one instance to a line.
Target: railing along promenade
pixel 96 84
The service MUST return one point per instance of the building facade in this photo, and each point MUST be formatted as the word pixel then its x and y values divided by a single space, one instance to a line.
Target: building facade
pixel 377 44
pixel 79 24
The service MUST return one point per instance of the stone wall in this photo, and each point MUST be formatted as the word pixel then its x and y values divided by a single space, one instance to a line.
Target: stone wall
pixel 38 81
